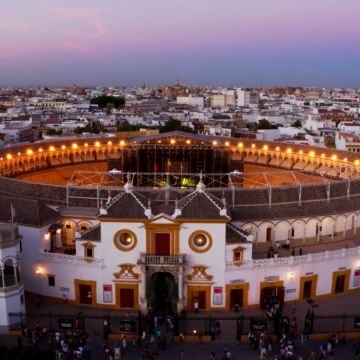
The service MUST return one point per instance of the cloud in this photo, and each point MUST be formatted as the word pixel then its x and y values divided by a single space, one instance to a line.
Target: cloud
pixel 13 26
pixel 73 34
pixel 74 47
pixel 100 29
pixel 76 11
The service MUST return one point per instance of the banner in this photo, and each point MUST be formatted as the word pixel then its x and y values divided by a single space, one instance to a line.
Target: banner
pixel 356 278
pixel 218 296
pixel 107 293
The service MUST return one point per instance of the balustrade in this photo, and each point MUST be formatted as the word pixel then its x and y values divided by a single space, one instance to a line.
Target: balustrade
pixel 70 259
pixel 149 259
pixel 293 260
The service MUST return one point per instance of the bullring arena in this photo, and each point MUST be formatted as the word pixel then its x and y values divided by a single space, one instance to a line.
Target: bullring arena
pixel 245 219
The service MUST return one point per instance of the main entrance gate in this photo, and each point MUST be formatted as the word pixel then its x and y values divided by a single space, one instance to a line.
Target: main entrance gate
pixel 162 292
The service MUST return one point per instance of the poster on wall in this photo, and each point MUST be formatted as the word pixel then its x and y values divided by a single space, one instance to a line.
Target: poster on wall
pixel 356 278
pixel 107 293
pixel 218 296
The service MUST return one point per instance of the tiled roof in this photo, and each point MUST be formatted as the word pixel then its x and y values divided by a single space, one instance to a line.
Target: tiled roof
pixel 126 205
pixel 200 205
pixel 27 211
pixel 93 234
pixel 234 235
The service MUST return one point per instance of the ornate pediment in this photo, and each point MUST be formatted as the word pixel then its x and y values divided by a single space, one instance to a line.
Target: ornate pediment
pixel 126 273
pixel 162 219
pixel 199 273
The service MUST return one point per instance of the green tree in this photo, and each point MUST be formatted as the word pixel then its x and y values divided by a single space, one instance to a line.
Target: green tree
pixel 297 124
pixel 92 128
pixel 53 132
pixel 264 124
pixel 126 126
pixel 174 125
pixel 104 101
pixel 171 125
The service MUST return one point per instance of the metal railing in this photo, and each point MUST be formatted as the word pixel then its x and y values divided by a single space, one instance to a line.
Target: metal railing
pixel 148 259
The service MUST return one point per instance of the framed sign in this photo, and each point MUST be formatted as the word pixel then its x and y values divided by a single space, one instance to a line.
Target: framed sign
pixel 107 293
pixel 258 324
pixel 357 323
pixel 66 324
pixel 271 278
pixel 356 278
pixel 127 326
pixel 218 296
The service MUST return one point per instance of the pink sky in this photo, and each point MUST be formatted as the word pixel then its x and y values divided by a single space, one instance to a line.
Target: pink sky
pixel 204 41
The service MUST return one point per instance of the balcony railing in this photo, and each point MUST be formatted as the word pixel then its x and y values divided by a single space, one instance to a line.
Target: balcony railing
pixel 147 259
pixel 293 260
pixel 70 259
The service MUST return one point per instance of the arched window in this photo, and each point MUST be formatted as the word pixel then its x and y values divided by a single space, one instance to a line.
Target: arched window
pixel 9 273
pixel 269 233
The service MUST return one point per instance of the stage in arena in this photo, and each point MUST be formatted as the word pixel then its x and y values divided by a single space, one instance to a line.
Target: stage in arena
pixel 160 161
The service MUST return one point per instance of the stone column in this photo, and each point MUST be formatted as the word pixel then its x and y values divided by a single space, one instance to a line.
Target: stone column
pixel 3 279
pixel 304 234
pixel 143 300
pixel 15 274
pixel 180 304
pixel 354 220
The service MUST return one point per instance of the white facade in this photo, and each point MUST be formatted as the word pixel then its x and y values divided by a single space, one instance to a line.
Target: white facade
pixel 11 282
pixel 247 98
pixel 314 123
pixel 195 271
pixel 196 101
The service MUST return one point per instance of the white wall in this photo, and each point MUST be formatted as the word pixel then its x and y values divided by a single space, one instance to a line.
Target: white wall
pixel 306 226
pixel 323 269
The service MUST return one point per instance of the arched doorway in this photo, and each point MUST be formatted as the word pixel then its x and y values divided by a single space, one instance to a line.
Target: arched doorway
pixel 9 273
pixel 268 234
pixel 162 292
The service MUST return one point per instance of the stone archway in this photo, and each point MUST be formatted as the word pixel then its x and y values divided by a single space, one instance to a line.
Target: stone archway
pixel 162 292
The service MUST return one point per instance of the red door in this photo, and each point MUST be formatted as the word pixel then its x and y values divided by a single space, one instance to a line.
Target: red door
pixel 202 299
pixel 236 298
pixel 199 298
pixel 127 298
pixel 162 244
pixel 85 294
pixel 280 293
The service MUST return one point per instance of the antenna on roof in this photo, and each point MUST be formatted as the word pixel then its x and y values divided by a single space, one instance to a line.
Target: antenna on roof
pixel 200 186
pixel 128 186
pixel 223 199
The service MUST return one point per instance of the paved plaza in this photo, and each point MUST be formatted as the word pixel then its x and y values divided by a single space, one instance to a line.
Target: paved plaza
pixel 339 305
pixel 199 351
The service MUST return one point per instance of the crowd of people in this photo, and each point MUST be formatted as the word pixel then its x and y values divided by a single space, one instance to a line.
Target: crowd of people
pixel 62 345
pixel 159 330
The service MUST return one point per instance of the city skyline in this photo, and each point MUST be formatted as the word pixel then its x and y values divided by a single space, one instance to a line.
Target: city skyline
pixel 236 43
